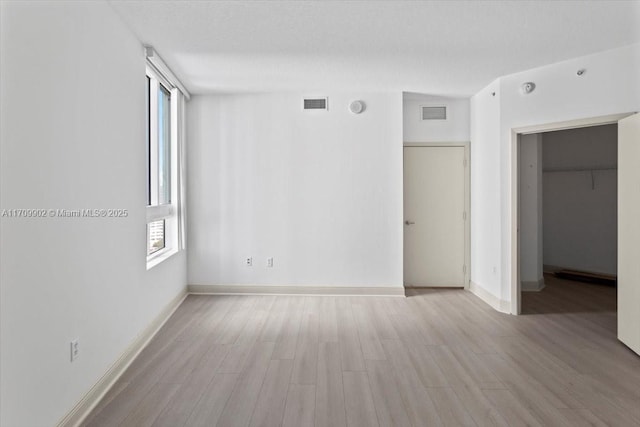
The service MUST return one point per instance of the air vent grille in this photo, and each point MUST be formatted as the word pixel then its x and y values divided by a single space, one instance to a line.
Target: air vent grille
pixel 434 113
pixel 315 103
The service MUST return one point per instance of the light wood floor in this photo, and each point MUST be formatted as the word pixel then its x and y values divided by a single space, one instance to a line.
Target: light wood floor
pixel 438 357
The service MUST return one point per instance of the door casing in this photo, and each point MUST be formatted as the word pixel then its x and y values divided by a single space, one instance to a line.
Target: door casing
pixel 514 276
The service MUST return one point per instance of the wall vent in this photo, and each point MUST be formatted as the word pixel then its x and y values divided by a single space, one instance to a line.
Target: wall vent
pixel 314 104
pixel 434 113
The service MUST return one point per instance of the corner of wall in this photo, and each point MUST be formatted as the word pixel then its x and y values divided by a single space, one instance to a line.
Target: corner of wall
pixel 486 159
pixel 493 301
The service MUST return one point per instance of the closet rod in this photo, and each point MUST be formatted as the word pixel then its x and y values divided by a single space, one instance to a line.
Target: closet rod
pixel 580 169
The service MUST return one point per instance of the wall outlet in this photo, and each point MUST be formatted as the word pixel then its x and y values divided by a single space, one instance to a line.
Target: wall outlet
pixel 270 262
pixel 75 349
pixel 248 262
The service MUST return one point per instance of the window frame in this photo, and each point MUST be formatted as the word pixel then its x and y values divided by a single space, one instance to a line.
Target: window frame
pixel 154 211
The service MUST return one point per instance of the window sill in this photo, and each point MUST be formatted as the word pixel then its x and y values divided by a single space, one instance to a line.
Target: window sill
pixel 160 257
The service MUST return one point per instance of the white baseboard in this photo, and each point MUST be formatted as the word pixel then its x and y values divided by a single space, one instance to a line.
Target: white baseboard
pixel 532 286
pixel 97 392
pixel 435 287
pixel 296 290
pixel 495 302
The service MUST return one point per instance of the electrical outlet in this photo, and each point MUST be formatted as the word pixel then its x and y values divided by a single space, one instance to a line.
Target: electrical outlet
pixel 75 349
pixel 270 262
pixel 249 262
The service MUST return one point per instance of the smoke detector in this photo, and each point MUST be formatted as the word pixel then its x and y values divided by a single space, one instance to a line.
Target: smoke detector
pixel 528 87
pixel 356 107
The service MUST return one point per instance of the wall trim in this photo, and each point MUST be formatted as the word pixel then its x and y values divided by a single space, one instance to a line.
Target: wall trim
pixel 386 291
pixel 532 286
pixel 496 303
pixel 84 407
pixel 435 143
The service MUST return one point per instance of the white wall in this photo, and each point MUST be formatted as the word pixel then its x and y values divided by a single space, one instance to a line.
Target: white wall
pixel 610 85
pixel 531 205
pixel 319 191
pixel 72 136
pixel 454 129
pixel 485 189
pixel 580 216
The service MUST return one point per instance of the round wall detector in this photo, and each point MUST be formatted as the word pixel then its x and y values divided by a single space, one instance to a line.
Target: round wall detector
pixel 528 87
pixel 356 107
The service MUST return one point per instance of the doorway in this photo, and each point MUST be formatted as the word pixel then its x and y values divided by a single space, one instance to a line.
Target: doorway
pixel 436 226
pixel 628 206
pixel 568 220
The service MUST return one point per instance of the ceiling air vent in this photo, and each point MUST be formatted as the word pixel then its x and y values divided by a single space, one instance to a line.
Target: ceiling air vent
pixel 434 113
pixel 314 104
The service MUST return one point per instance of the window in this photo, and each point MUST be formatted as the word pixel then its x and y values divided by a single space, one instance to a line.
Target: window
pixel 165 168
pixel 161 168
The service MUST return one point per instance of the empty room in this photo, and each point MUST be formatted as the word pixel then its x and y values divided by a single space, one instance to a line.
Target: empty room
pixel 319 213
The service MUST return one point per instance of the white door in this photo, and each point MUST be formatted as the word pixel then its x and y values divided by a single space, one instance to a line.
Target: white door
pixel 629 232
pixel 434 203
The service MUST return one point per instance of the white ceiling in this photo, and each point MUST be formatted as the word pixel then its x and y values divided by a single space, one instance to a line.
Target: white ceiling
pixel 439 47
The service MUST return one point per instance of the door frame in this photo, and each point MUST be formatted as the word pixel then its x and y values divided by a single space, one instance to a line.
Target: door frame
pixel 516 296
pixel 467 201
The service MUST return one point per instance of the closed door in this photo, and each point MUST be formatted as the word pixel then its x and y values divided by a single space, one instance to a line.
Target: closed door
pixel 629 232
pixel 434 213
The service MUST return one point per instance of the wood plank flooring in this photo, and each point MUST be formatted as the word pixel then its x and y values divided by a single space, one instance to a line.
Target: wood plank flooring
pixel 440 357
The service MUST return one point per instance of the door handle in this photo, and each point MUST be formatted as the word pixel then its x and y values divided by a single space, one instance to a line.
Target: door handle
pixel 407 222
